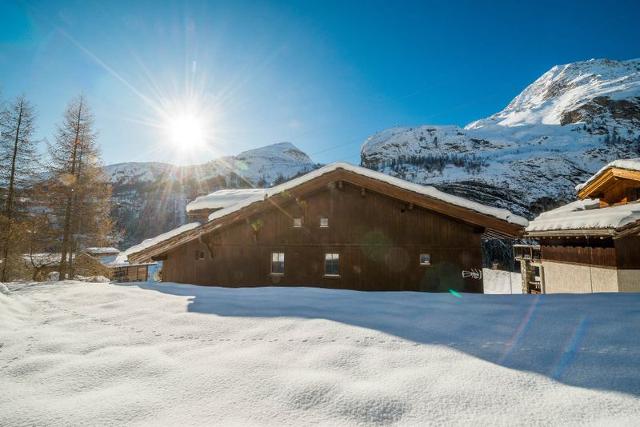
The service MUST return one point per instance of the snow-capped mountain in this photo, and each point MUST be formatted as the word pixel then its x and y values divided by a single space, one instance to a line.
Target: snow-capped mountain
pixel 150 197
pixel 263 165
pixel 529 156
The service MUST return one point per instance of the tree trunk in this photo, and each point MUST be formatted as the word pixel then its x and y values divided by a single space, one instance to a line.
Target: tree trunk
pixel 66 235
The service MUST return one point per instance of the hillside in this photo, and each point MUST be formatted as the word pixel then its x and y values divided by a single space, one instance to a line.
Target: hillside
pixel 529 156
pixel 150 197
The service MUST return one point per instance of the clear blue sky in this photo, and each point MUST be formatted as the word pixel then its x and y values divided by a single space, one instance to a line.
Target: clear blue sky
pixel 321 74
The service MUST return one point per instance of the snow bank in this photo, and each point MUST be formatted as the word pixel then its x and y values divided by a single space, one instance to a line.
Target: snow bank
pixel 224 198
pixel 502 214
pixel 102 250
pixel 171 354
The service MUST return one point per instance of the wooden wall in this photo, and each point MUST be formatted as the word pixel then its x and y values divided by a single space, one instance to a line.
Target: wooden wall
pixel 628 252
pixel 621 253
pixel 379 240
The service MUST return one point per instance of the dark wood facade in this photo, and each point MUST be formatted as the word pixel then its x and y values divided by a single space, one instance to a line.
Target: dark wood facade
pixel 379 239
pixel 621 253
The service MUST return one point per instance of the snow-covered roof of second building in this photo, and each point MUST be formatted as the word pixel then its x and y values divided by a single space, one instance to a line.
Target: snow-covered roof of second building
pixel 224 198
pixel 586 215
pixel 629 164
pixel 123 256
pixel 429 191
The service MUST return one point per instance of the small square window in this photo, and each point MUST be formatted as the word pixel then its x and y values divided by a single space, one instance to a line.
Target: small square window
pixel 425 259
pixel 324 222
pixel 332 264
pixel 277 263
pixel 199 255
pixel 297 222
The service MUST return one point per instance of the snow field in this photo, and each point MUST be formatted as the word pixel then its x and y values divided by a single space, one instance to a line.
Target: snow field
pixel 87 353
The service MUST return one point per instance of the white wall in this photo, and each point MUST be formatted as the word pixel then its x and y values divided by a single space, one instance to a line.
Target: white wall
pixel 501 282
pixel 562 277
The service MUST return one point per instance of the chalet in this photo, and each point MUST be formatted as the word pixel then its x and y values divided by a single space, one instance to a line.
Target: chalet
pixel 593 244
pixel 340 226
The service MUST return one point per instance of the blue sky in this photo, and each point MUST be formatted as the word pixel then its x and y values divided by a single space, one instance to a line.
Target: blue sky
pixel 321 74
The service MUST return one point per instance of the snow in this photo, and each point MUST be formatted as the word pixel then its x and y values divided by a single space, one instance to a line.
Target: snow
pixel 147 243
pixel 585 214
pixel 102 251
pixel 502 214
pixel 629 164
pixel 566 88
pixel 224 198
pixel 168 354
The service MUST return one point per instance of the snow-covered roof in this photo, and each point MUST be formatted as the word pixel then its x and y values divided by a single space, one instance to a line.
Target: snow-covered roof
pixel 629 164
pixel 585 215
pixel 122 257
pixel 258 196
pixel 429 191
pixel 43 259
pixel 102 250
pixel 224 198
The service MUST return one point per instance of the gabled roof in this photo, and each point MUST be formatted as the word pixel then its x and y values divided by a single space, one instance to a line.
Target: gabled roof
pixel 623 168
pixel 585 218
pixel 500 220
pixel 224 198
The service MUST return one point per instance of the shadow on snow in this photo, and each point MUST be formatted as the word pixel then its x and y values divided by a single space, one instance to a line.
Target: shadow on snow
pixel 589 341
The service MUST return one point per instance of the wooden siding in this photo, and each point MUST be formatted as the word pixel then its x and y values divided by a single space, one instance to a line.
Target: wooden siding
pixel 595 251
pixel 628 252
pixel 622 253
pixel 379 240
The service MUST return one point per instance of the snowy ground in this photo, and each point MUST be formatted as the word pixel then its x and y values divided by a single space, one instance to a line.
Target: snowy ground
pixel 90 353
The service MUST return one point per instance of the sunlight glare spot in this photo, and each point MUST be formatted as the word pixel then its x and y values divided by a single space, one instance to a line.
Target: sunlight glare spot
pixel 186 131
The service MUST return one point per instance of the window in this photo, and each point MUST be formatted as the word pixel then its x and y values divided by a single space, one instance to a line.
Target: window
pixel 297 222
pixel 324 222
pixel 425 259
pixel 331 264
pixel 277 263
pixel 199 255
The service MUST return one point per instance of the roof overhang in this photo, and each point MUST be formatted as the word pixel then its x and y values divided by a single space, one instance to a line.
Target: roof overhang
pixel 606 179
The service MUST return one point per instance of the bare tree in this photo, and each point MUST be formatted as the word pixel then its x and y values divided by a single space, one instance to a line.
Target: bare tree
pixel 79 192
pixel 18 166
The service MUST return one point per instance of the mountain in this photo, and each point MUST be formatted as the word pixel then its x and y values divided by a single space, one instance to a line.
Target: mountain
pixel 150 197
pixel 528 157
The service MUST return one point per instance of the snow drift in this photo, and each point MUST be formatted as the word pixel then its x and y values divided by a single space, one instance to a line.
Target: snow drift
pixel 80 353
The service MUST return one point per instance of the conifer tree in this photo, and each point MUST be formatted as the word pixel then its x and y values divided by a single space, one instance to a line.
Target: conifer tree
pixel 79 192
pixel 18 167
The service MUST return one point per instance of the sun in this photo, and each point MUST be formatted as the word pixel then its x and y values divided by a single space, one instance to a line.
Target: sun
pixel 186 131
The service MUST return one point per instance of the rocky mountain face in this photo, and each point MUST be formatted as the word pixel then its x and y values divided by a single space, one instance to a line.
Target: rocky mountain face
pixel 528 157
pixel 150 197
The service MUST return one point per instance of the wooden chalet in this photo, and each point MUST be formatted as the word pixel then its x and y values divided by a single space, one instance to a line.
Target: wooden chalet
pixel 593 244
pixel 340 226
